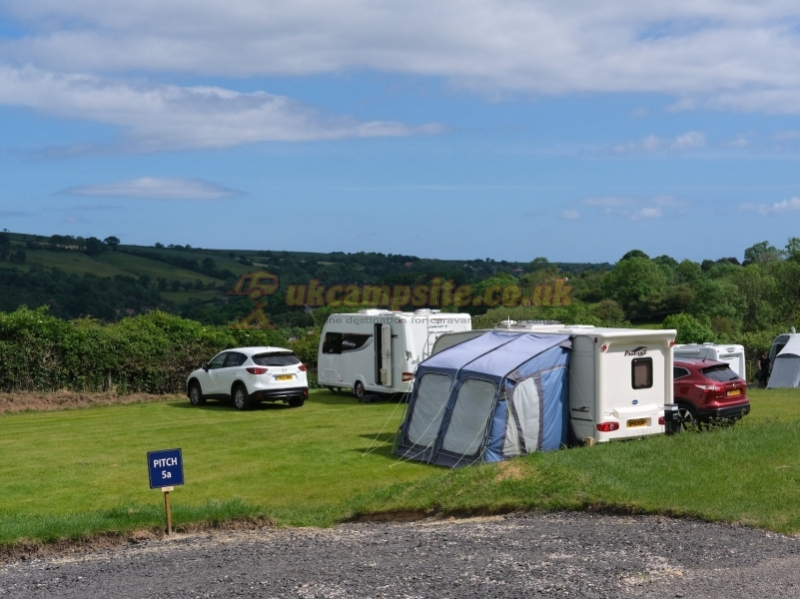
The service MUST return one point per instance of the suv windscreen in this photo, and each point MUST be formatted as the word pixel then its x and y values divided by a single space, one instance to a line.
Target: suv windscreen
pixel 721 374
pixel 276 359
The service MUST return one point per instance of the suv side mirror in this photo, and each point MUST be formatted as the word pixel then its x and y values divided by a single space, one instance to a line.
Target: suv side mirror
pixel 205 366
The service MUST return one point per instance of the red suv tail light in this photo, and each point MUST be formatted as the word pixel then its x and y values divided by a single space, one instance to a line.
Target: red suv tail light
pixel 302 368
pixel 607 427
pixel 717 388
pixel 256 370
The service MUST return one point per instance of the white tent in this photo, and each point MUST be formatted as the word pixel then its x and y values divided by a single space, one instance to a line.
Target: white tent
pixel 786 368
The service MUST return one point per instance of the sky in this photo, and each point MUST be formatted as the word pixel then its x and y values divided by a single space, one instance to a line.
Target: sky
pixel 502 129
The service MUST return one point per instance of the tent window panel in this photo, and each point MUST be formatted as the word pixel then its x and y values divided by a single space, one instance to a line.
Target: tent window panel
pixel 642 373
pixel 432 394
pixel 526 405
pixel 470 417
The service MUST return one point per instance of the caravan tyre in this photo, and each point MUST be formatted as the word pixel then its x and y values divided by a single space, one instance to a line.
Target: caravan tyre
pixel 240 399
pixel 196 394
pixel 358 389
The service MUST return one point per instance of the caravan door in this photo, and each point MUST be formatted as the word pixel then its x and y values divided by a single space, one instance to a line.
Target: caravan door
pixel 383 354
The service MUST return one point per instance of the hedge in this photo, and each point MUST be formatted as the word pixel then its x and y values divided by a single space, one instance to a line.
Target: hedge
pixel 151 353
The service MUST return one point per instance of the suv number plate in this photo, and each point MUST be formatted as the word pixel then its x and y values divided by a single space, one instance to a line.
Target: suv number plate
pixel 283 377
pixel 637 422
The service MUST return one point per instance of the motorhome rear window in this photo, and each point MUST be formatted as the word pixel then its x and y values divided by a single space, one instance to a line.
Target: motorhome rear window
pixel 642 373
pixel 276 359
pixel 721 374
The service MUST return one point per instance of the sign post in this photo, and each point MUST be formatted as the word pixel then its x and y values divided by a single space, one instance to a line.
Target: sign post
pixel 166 471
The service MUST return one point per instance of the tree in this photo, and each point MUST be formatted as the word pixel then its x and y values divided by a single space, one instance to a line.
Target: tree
pixel 761 253
pixel 112 242
pixel 94 246
pixel 637 284
pixel 690 329
pixel 793 249
pixel 635 254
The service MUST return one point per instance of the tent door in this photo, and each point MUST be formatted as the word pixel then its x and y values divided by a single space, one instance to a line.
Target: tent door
pixel 383 354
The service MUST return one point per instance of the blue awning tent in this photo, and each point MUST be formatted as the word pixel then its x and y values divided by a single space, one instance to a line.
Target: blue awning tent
pixel 490 398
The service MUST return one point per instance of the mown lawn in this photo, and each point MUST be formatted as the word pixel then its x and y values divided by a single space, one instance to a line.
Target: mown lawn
pixel 71 473
pixel 294 464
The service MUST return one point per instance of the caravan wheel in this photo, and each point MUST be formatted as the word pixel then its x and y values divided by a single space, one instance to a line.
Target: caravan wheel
pixel 358 389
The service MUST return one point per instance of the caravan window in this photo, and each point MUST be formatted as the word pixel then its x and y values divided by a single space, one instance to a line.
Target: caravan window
pixel 642 373
pixel 332 343
pixel 336 343
pixel 352 341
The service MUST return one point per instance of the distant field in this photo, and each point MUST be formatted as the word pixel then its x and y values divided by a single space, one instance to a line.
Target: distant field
pixel 73 262
pixel 75 472
pixel 137 265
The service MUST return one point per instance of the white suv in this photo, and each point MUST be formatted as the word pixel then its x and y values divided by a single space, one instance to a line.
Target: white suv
pixel 249 375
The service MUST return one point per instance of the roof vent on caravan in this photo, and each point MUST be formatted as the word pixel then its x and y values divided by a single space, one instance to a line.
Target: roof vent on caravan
pixel 374 312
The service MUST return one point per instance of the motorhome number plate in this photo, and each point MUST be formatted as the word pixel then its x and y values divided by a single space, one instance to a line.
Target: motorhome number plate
pixel 283 377
pixel 637 422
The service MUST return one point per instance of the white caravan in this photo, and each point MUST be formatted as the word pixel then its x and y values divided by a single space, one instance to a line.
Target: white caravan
pixel 377 351
pixel 619 379
pixel 732 354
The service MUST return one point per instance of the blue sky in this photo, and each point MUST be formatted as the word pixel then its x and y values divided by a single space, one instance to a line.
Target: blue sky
pixel 457 129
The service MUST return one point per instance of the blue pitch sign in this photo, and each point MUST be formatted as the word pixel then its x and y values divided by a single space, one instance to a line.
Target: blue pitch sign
pixel 166 468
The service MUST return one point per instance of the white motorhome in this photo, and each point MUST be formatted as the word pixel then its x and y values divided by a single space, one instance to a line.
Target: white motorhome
pixel 732 354
pixel 619 379
pixel 377 351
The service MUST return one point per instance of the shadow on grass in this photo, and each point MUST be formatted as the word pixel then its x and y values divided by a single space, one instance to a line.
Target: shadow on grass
pixel 228 406
pixel 380 444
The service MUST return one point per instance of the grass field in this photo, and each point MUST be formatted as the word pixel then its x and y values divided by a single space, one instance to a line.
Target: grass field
pixel 72 473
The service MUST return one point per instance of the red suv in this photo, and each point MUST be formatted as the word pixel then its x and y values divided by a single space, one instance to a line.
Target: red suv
pixel 708 391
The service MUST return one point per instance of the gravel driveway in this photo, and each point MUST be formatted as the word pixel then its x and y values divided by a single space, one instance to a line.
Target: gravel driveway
pixel 517 556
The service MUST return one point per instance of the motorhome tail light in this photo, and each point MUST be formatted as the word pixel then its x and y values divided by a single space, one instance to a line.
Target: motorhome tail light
pixel 604 348
pixel 408 376
pixel 671 343
pixel 256 370
pixel 302 368
pixel 607 427
pixel 661 421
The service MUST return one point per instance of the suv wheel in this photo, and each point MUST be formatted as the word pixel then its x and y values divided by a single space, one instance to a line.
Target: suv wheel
pixel 296 402
pixel 690 421
pixel 240 399
pixel 196 394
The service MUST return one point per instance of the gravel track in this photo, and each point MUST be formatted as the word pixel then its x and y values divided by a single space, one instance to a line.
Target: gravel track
pixel 517 556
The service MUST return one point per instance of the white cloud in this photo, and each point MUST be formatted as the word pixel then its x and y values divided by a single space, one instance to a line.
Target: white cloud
pixel 166 117
pixel 570 215
pixel 688 141
pixel 634 208
pixel 691 140
pixel 723 53
pixel 790 205
pixel 150 188
pixel 650 212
